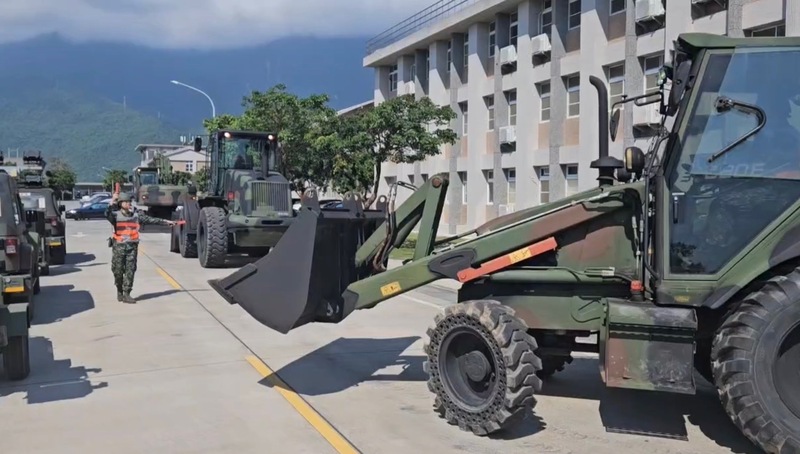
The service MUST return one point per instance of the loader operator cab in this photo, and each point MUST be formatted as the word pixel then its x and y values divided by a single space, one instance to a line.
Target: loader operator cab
pixel 147 177
pixel 732 167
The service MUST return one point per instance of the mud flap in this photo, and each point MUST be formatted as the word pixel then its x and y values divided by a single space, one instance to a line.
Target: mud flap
pixel 303 277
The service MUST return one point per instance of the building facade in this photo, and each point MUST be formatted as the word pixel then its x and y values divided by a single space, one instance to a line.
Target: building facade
pixel 517 75
pixel 182 157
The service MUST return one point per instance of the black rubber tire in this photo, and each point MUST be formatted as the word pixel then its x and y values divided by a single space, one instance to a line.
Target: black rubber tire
pixel 551 364
pixel 743 355
pixel 212 237
pixel 17 358
pixel 512 351
pixel 174 238
pixel 58 255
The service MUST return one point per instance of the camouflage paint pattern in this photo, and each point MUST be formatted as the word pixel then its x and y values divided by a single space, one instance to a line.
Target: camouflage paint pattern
pixel 12 226
pixel 160 195
pixel 124 259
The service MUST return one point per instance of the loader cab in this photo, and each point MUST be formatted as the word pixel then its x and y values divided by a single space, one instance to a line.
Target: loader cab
pixel 240 151
pixel 730 171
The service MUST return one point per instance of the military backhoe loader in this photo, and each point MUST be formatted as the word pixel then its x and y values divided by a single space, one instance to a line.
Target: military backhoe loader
pixel 683 259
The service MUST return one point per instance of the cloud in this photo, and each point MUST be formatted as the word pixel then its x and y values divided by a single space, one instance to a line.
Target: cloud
pixel 200 24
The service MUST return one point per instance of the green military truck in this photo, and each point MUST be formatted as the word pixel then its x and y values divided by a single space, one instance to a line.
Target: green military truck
pixel 35 195
pixel 153 192
pixel 20 248
pixel 685 259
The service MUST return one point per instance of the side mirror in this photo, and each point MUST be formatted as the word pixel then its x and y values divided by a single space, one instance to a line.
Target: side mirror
pixel 679 82
pixel 130 178
pixel 634 161
pixel 62 208
pixel 613 123
pixel 198 144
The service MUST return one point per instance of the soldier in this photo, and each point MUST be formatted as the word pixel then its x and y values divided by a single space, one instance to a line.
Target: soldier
pixel 127 222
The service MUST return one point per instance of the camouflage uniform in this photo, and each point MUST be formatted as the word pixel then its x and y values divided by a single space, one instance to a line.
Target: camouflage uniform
pixel 125 249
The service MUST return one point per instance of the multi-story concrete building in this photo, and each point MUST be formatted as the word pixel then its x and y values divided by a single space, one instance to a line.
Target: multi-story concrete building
pixel 517 74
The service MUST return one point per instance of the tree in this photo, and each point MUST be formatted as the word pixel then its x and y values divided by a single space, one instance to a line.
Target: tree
pixel 201 179
pixel 62 177
pixel 113 177
pixel 399 130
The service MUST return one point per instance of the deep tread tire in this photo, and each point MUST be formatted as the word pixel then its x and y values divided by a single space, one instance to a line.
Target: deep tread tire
pixel 16 358
pixel 513 350
pixel 743 355
pixel 214 249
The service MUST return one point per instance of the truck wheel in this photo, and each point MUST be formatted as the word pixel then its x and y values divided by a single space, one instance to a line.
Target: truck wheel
pixel 756 359
pixel 187 245
pixel 481 366
pixel 212 237
pixel 58 255
pixel 552 363
pixel 16 358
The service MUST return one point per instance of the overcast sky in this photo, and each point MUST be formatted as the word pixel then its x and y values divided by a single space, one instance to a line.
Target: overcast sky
pixel 199 24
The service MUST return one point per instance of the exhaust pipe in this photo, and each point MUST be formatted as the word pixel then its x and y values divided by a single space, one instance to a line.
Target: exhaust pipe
pixel 605 164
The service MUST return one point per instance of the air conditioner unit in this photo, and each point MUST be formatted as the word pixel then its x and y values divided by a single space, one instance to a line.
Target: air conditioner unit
pixel 508 55
pixel 540 44
pixel 646 116
pixel 647 10
pixel 508 134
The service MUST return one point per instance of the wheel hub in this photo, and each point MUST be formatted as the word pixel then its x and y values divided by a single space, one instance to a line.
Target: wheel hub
pixel 468 369
pixel 475 365
pixel 787 370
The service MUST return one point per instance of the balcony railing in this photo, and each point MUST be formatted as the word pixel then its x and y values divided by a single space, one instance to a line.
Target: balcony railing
pixel 438 11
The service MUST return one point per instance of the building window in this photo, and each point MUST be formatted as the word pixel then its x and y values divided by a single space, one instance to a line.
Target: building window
pixel 511 98
pixel 513 29
pixel 466 55
pixel 463 177
pixel 511 178
pixel 427 64
pixel 424 177
pixel 489 175
pixel 544 184
pixel 544 95
pixel 390 181
pixel 464 117
pixel 490 107
pixel 413 72
pixel 492 38
pixel 190 167
pixel 616 83
pixel 571 174
pixel 775 30
pixel 616 6
pixel 393 78
pixel 546 17
pixel 652 65
pixel 573 96
pixel 574 14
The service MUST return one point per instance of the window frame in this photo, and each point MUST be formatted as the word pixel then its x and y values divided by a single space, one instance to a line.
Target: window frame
pixel 511 185
pixel 615 80
pixel 488 175
pixel 568 176
pixel 489 101
pixel 512 112
pixel 573 89
pixel 571 15
pixel 542 97
pixel 543 174
pixel 611 11
pixel 546 10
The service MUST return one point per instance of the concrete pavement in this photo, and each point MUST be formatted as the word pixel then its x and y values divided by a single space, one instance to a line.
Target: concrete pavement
pixel 183 371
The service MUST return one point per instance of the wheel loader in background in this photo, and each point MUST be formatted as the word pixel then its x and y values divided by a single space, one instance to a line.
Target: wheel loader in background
pixel 248 203
pixel 685 258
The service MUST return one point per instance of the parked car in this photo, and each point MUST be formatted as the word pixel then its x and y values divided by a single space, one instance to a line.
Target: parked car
pixel 95 210
pixel 94 198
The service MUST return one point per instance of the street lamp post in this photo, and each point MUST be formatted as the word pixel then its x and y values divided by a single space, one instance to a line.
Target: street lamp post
pixel 213 109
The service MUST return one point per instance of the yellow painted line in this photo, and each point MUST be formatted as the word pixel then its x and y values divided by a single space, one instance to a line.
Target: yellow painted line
pixel 169 279
pixel 336 439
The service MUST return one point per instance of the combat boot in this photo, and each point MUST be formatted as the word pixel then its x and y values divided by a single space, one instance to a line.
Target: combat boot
pixel 119 294
pixel 127 298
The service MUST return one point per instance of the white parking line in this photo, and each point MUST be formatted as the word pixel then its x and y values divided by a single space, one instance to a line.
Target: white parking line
pixel 423 302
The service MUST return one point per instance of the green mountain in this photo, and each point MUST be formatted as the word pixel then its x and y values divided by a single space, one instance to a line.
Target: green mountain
pixel 88 131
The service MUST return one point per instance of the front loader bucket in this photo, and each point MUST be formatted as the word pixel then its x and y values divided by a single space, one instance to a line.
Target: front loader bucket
pixel 301 280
